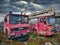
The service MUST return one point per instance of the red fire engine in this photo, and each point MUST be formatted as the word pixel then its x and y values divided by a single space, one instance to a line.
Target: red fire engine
pixel 16 26
pixel 44 23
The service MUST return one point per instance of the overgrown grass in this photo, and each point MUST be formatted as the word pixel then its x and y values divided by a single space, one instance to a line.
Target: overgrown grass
pixel 33 43
pixel 33 40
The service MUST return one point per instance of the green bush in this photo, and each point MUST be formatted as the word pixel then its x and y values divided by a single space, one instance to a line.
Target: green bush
pixel 0 40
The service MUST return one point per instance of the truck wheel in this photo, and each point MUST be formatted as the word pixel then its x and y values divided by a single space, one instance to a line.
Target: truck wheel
pixel 23 38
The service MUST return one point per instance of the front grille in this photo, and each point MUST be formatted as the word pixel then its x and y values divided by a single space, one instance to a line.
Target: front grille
pixel 18 29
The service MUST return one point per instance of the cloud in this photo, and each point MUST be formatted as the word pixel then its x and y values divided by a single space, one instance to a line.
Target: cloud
pixel 27 5
pixel 46 1
pixel 7 1
pixel 14 0
pixel 23 2
pixel 21 5
pixel 34 7
pixel 56 7
pixel 2 17
pixel 37 5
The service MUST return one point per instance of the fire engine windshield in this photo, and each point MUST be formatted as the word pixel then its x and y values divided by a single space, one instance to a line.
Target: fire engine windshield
pixel 15 19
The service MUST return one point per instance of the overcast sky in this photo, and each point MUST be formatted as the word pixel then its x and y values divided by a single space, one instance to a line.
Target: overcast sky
pixel 28 5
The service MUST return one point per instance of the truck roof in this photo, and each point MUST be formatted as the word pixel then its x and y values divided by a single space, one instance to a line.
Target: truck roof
pixel 19 14
pixel 15 14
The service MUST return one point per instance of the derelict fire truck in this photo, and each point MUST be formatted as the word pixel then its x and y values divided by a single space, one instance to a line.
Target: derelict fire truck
pixel 44 23
pixel 16 26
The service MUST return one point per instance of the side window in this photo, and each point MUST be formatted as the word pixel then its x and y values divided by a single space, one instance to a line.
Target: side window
pixel 5 19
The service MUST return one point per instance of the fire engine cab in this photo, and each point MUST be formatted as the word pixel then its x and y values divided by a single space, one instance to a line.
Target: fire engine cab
pixel 16 26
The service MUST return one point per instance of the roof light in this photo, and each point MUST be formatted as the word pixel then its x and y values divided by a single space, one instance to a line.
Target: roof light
pixel 10 12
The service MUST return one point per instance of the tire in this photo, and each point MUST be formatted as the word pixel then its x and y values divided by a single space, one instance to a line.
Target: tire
pixel 23 38
pixel 10 38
